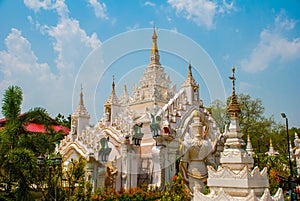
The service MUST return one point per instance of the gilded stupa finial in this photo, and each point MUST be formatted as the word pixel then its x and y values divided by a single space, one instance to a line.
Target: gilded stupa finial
pixel 125 88
pixel 154 41
pixel 234 107
pixel 154 51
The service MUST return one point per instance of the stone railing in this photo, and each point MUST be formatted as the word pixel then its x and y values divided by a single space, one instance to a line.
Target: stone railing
pixel 175 108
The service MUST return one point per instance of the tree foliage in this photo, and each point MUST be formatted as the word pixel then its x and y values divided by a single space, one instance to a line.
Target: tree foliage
pixel 19 147
pixel 62 120
pixel 218 110
pixel 261 129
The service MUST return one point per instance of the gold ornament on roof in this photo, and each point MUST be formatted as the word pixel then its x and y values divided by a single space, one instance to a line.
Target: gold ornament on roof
pixel 234 107
pixel 154 41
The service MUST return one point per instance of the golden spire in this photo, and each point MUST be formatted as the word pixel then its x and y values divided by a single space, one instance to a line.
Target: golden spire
pixel 125 88
pixel 154 50
pixel 234 107
pixel 154 41
pixel 271 143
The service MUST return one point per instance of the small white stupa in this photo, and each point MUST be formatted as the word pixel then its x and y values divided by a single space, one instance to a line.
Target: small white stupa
pixel 271 151
pixel 235 180
pixel 249 147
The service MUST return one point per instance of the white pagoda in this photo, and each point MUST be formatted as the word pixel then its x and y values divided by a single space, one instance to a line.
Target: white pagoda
pixel 141 136
pixel 235 179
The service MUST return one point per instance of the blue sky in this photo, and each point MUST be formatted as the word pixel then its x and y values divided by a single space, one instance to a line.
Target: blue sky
pixel 50 48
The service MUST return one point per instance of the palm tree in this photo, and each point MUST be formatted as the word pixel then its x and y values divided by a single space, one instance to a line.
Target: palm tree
pixel 19 147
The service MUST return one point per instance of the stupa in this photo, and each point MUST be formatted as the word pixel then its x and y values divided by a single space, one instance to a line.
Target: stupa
pixel 235 179
pixel 142 135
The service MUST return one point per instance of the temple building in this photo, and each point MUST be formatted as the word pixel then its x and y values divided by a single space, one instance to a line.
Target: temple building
pixel 153 133
pixel 141 136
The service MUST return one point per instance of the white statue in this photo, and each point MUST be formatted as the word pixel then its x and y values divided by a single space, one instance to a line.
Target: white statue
pixel 194 162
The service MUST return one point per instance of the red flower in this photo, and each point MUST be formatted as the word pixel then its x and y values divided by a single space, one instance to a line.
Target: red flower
pixel 174 177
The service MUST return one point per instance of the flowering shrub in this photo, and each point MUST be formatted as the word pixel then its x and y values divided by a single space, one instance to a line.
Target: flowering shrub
pixel 176 192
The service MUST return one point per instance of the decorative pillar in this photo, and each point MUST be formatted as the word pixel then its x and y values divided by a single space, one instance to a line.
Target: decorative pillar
pixel 101 176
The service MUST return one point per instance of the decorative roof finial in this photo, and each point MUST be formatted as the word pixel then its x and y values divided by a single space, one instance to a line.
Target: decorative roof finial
pixel 271 142
pixel 190 70
pixel 154 41
pixel 234 107
pixel 233 79
pixel 81 95
pixel 112 99
pixel 113 83
pixel 154 58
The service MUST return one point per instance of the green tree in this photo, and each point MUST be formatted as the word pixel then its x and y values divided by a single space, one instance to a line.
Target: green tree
pixel 218 111
pixel 277 170
pixel 63 121
pixel 19 148
pixel 252 121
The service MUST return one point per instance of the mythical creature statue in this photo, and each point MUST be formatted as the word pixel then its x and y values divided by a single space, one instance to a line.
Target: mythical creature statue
pixel 138 135
pixel 104 149
pixel 154 126
pixel 197 154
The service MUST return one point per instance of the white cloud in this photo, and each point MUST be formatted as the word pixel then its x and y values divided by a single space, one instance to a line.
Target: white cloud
pixel 71 43
pixel 58 5
pixel 226 7
pixel 201 12
pixel 283 23
pixel 99 9
pixel 37 5
pixel 19 65
pixel 273 47
pixel 245 87
pixel 33 23
pixel 149 3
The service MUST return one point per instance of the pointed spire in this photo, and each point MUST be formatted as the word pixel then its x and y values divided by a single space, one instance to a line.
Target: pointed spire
pixel 125 89
pixel 249 148
pixel 124 98
pixel 154 41
pixel 190 70
pixel 81 96
pixel 271 143
pixel 112 99
pixel 234 139
pixel 190 81
pixel 234 107
pixel 271 151
pixel 154 51
pixel 113 84
pixel 80 109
